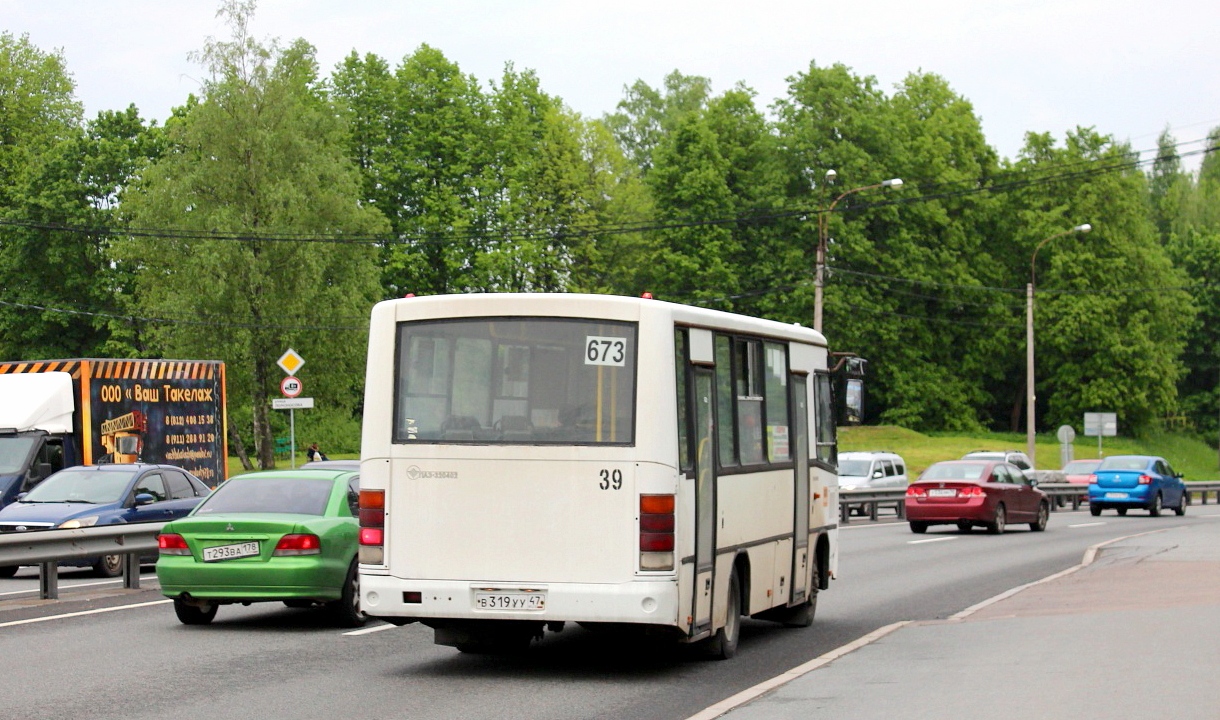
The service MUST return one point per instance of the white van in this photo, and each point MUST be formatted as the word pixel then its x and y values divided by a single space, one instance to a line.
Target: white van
pixel 871 470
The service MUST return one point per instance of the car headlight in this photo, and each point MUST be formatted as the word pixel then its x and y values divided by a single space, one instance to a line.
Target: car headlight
pixel 79 523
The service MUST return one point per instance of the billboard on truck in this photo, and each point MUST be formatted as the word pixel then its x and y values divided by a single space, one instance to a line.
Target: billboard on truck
pixel 156 411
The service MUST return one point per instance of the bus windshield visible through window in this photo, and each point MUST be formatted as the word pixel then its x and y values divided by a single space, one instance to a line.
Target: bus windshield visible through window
pixel 515 381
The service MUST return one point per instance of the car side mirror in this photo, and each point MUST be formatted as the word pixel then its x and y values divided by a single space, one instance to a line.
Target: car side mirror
pixel 21 496
pixel 1033 482
pixel 878 474
pixel 144 499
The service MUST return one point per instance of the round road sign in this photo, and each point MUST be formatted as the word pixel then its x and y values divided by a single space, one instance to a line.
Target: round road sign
pixel 290 386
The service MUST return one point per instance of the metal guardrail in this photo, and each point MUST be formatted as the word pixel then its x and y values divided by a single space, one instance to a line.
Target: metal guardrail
pixel 870 501
pixel 46 548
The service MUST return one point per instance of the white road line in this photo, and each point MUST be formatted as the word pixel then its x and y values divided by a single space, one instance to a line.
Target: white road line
pixel 367 630
pixel 83 612
pixel 766 686
pixel 1087 524
pixel 77 585
pixel 939 539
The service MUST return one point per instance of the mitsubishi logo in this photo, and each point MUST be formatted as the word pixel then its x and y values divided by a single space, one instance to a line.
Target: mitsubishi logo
pixel 229 527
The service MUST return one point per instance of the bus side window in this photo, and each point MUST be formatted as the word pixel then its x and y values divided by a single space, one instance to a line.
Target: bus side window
pixel 724 402
pixel 681 363
pixel 823 401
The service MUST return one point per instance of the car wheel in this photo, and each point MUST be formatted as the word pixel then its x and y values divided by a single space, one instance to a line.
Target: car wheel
pixel 964 526
pixel 919 527
pixel 188 614
pixel 1044 514
pixel 1180 510
pixel 108 566
pixel 8 571
pixel 996 527
pixel 1095 510
pixel 723 644
pixel 346 609
pixel 1154 510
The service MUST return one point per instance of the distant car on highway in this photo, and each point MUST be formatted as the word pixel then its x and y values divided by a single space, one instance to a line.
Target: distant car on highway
pixel 288 536
pixel 88 495
pixel 1016 457
pixel 1080 472
pixel 858 470
pixel 1145 482
pixel 972 493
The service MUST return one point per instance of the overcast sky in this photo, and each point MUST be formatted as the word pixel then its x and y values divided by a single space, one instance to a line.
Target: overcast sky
pixel 1129 68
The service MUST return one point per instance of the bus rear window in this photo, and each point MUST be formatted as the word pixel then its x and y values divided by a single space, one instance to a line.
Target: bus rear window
pixel 515 381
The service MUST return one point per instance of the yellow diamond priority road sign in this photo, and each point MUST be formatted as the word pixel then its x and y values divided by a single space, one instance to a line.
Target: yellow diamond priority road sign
pixel 290 362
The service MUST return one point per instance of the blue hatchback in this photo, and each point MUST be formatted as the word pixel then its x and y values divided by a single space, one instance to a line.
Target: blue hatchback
pixel 91 495
pixel 1146 482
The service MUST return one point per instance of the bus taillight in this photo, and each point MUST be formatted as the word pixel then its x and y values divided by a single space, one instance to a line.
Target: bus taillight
pixel 372 527
pixel 656 532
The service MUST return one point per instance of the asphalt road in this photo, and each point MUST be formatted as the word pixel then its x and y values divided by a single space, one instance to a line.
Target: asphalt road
pixel 269 661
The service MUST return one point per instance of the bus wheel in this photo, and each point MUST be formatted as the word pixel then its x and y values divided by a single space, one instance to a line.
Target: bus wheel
pixel 723 645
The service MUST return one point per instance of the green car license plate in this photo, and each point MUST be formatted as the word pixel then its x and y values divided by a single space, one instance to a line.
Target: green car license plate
pixel 229 552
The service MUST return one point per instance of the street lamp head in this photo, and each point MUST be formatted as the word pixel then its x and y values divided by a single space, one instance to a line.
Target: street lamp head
pixel 896 182
pixel 1083 228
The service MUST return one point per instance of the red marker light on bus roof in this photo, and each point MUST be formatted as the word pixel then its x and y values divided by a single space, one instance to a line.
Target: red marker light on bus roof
pixel 647 296
pixel 409 295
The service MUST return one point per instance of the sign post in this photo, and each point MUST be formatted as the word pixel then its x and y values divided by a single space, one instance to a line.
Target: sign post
pixel 1100 424
pixel 291 387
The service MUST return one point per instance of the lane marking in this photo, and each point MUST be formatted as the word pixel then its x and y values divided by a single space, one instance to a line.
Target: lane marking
pixel 1089 556
pixel 745 696
pixel 375 628
pixel 13 623
pixel 80 585
pixel 939 539
pixel 766 686
pixel 1092 524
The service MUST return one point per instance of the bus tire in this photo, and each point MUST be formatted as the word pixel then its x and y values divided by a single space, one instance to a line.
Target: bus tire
pixel 723 644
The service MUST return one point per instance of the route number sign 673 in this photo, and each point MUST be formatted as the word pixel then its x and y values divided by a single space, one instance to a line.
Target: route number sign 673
pixel 605 351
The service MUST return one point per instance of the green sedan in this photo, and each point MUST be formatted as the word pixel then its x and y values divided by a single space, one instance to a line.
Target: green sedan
pixel 288 536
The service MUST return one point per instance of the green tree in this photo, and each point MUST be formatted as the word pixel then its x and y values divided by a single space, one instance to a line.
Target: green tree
pixel 646 115
pixel 261 159
pixel 1111 315
pixel 692 260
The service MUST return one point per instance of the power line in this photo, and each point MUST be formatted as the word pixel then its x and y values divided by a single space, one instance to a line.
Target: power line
pixel 1027 179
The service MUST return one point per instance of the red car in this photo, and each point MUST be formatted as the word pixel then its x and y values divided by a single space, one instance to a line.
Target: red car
pixel 967 493
pixel 1080 472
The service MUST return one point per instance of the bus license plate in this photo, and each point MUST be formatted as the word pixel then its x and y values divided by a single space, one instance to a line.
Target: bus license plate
pixel 510 601
pixel 229 552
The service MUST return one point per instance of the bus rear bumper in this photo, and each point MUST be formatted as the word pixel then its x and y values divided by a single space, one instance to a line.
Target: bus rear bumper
pixel 637 602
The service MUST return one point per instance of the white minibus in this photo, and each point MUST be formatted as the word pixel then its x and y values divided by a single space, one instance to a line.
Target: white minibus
pixel 530 460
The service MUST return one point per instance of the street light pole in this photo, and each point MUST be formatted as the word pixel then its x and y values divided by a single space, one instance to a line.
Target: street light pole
pixel 1029 341
pixel 819 278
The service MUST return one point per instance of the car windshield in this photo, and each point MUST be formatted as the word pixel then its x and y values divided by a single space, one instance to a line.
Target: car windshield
pixel 294 495
pixel 853 468
pixel 82 486
pixel 954 471
pixel 13 452
pixel 1123 463
pixel 1080 467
